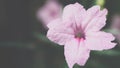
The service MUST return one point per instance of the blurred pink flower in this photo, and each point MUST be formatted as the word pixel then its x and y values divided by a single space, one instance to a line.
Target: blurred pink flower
pixel 50 11
pixel 116 22
pixel 79 31
pixel 115 26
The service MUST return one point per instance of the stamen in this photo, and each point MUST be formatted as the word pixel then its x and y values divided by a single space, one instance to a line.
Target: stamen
pixel 80 35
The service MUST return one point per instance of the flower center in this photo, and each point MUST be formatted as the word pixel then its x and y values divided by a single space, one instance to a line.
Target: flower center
pixel 53 13
pixel 80 35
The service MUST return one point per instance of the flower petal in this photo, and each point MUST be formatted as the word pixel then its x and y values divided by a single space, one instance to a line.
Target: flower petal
pixel 97 22
pixel 99 41
pixel 70 10
pixel 75 52
pixel 83 54
pixel 90 14
pixel 61 32
pixel 95 19
pixel 74 13
pixel 54 23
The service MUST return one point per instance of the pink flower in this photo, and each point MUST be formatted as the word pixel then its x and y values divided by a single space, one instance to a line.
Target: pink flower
pixel 115 21
pixel 115 26
pixel 79 31
pixel 50 11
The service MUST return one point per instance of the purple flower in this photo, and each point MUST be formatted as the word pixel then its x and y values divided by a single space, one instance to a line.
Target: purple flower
pixel 50 11
pixel 79 31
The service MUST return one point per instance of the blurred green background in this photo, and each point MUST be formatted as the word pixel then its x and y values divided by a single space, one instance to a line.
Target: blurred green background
pixel 23 42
